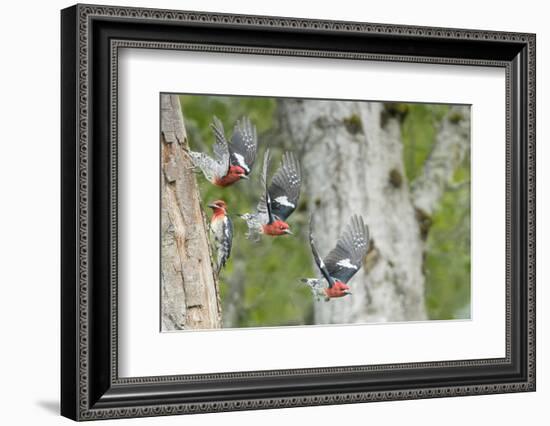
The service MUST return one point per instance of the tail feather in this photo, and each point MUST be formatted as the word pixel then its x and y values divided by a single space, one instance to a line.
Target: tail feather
pixel 315 285
pixel 196 157
pixel 252 233
pixel 223 255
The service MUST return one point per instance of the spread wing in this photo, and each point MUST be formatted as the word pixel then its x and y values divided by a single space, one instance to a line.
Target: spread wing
pixel 244 144
pixel 346 258
pixel 284 190
pixel 220 162
pixel 265 202
pixel 318 260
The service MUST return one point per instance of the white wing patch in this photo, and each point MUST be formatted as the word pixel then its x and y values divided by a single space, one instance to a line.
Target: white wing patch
pixel 240 160
pixel 345 263
pixel 283 200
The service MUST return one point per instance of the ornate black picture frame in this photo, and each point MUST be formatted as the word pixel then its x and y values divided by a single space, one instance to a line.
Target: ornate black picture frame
pixel 91 37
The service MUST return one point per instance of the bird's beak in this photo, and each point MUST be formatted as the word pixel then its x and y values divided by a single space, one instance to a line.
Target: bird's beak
pixel 212 206
pixel 288 231
pixel 244 177
pixel 347 292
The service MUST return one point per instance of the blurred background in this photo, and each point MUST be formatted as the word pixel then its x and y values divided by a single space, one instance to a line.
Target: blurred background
pixel 260 285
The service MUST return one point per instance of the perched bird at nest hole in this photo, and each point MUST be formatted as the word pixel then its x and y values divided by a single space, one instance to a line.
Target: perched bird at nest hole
pixel 342 263
pixel 232 161
pixel 278 201
pixel 221 229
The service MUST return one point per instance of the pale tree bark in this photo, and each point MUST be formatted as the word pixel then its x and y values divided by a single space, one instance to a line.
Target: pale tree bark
pixel 451 145
pixel 190 296
pixel 352 163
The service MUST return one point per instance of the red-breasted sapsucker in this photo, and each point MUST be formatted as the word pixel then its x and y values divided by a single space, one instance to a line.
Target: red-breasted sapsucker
pixel 232 161
pixel 341 263
pixel 278 201
pixel 221 228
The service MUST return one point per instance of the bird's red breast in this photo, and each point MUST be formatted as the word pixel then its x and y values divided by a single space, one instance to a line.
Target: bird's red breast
pixel 233 175
pixel 226 180
pixel 278 227
pixel 218 214
pixel 337 290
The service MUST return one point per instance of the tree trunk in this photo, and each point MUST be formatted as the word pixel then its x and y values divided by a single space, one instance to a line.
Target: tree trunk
pixel 451 146
pixel 190 297
pixel 352 162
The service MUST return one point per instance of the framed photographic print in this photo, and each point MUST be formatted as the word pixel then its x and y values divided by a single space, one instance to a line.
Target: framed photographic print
pixel 263 212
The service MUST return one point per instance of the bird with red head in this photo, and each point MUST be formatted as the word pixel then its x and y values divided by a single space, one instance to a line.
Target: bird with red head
pixel 278 201
pixel 342 263
pixel 232 161
pixel 221 229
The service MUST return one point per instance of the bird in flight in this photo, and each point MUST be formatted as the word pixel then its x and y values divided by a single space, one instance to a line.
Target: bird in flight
pixel 221 229
pixel 278 201
pixel 232 161
pixel 342 263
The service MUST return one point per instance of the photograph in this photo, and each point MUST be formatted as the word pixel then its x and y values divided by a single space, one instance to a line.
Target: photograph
pixel 266 209
pixel 283 212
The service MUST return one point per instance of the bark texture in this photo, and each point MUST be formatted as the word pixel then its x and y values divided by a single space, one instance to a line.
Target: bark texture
pixel 352 163
pixel 452 144
pixel 190 296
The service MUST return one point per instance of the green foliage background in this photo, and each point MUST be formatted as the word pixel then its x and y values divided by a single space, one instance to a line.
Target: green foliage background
pixel 252 285
pixel 447 264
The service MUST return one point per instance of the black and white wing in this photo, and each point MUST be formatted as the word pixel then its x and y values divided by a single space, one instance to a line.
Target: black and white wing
pixel 221 148
pixel 346 258
pixel 218 166
pixel 264 206
pixel 318 260
pixel 224 243
pixel 244 144
pixel 284 190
